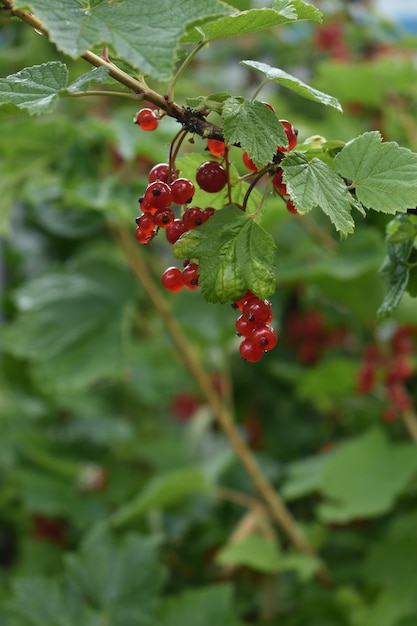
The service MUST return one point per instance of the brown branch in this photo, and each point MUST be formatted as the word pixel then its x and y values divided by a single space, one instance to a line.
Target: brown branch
pixel 410 421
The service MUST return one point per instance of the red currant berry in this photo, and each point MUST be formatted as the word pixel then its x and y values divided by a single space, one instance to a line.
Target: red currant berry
pixel 250 352
pixel 182 191
pixel 190 276
pixel 259 311
pixel 142 236
pixel 208 212
pixel 264 337
pixel 216 147
pixel 164 218
pixel 244 327
pixel 193 217
pixel 146 119
pixel 291 136
pixel 239 303
pixel 160 171
pixel 251 165
pixel 211 176
pixel 291 208
pixel 172 279
pixel 278 184
pixel 146 221
pixel 175 230
pixel 158 194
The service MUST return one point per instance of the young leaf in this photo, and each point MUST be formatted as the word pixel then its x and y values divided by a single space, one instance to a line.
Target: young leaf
pixel 253 551
pixel 383 174
pixel 75 28
pixel 314 184
pixel 234 254
pixel 35 89
pixel 277 75
pixel 97 75
pixel 397 274
pixel 297 9
pixel 255 127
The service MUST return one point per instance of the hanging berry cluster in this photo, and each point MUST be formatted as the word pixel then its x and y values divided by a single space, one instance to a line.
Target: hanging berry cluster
pixel 167 205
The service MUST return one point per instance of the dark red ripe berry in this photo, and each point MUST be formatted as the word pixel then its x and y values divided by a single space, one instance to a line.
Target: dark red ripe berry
pixel 208 212
pixel 216 147
pixel 264 337
pixel 291 136
pixel 278 184
pixel 146 221
pixel 182 191
pixel 250 352
pixel 142 236
pixel 160 171
pixel 244 327
pixel 146 119
pixel 175 230
pixel 291 206
pixel 190 276
pixel 172 279
pixel 211 176
pixel 239 303
pixel 259 311
pixel 158 195
pixel 249 163
pixel 193 217
pixel 164 218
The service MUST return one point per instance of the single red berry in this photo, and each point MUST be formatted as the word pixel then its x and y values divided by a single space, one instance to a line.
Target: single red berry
pixel 244 327
pixel 278 184
pixel 251 165
pixel 211 176
pixel 182 191
pixel 160 171
pixel 264 337
pixel 366 378
pixel 208 212
pixel 256 310
pixel 164 218
pixel 146 221
pixel 175 230
pixel 143 237
pixel 158 194
pixel 291 208
pixel 193 217
pixel 172 279
pixel 146 119
pixel 190 276
pixel 216 147
pixel 250 352
pixel 239 303
pixel 291 136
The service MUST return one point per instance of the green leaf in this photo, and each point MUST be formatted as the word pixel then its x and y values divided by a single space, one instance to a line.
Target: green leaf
pixel 254 127
pixel 329 382
pixel 162 491
pixel 314 184
pixel 365 476
pixel 383 174
pixel 255 552
pixel 234 254
pixel 70 325
pixel 297 9
pixel 97 75
pixel 214 101
pixel 35 89
pixel 402 228
pixel 206 606
pixel 131 29
pixel 277 75
pixel 396 273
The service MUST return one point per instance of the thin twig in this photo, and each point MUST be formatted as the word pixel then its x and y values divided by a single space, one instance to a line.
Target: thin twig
pixel 410 421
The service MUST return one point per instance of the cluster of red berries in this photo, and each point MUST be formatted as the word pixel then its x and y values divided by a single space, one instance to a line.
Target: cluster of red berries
pixel 308 334
pixel 391 366
pixel 253 325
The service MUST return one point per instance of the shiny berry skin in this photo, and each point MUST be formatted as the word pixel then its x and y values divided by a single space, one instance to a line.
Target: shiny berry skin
pixel 259 311
pixel 264 337
pixel 216 147
pixel 278 184
pixel 239 303
pixel 158 195
pixel 142 236
pixel 193 217
pixel 190 276
pixel 175 230
pixel 146 119
pixel 146 221
pixel 164 218
pixel 172 279
pixel 182 191
pixel 160 171
pixel 211 177
pixel 249 163
pixel 244 327
pixel 250 352
pixel 291 136
pixel 291 208
pixel 208 212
